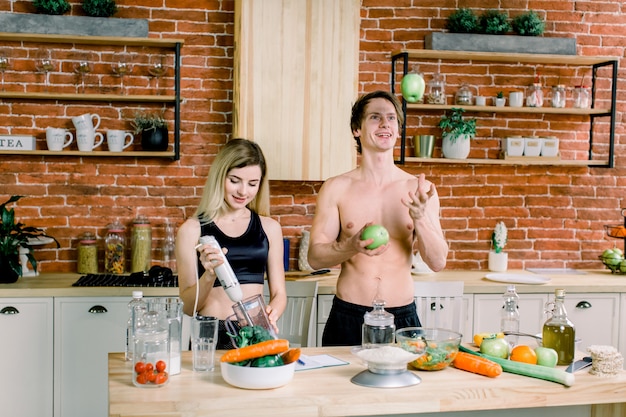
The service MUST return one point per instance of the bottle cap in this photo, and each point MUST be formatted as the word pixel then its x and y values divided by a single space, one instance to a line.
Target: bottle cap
pixel 137 294
pixel 559 292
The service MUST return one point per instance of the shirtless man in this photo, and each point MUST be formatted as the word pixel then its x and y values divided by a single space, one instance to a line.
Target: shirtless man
pixel 376 192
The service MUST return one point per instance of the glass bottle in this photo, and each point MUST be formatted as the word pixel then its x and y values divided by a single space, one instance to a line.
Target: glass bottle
pixel 136 308
pixel 169 246
pixel 436 90
pixel 141 245
pixel 557 99
pixel 581 97
pixel 151 354
pixel 509 318
pixel 87 262
pixel 534 98
pixel 115 249
pixel 558 332
pixel 378 326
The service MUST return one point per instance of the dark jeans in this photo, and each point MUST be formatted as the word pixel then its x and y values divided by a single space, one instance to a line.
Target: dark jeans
pixel 345 321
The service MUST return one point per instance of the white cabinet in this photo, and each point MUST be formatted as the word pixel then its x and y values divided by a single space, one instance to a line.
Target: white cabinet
pixel 324 303
pixel 622 325
pixel 26 356
pixel 595 317
pixel 85 331
pixel 487 308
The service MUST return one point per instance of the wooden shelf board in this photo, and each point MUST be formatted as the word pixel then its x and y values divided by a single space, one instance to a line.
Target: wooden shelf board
pixel 507 109
pixel 108 154
pixel 505 57
pixel 90 40
pixel 512 161
pixel 89 97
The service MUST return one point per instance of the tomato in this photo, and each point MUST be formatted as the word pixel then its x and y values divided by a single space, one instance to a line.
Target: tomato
pixel 495 347
pixel 160 366
pixel 160 378
pixel 141 379
pixel 149 367
pixel 140 367
pixel 378 233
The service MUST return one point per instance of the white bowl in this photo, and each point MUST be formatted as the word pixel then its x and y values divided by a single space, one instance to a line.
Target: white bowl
pixel 257 378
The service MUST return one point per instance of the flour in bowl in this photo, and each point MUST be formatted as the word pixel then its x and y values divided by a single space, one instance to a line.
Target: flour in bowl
pixel 386 355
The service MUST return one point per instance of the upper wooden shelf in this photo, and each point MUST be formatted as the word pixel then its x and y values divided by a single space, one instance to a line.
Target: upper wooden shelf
pixel 108 154
pixel 504 57
pixel 89 97
pixel 90 40
pixel 513 161
pixel 508 109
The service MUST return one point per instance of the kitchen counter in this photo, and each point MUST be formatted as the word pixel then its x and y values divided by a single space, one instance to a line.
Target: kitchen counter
pixel 594 281
pixel 329 392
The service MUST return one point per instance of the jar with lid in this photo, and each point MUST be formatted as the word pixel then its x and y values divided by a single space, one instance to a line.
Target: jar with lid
pixel 464 96
pixel 141 245
pixel 557 98
pixel 534 98
pixel 378 326
pixel 151 356
pixel 87 262
pixel 436 90
pixel 581 97
pixel 115 249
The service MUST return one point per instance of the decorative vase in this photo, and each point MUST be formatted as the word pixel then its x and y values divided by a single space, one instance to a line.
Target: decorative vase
pixel 154 139
pixel 459 149
pixel 303 252
pixel 498 262
pixel 7 275
pixel 500 101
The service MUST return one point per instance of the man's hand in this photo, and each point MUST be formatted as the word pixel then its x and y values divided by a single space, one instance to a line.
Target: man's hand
pixel 418 200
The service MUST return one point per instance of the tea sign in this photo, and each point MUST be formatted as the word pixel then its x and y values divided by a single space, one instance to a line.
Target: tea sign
pixel 17 143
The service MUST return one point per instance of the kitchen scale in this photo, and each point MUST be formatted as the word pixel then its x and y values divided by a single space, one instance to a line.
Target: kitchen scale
pixel 385 372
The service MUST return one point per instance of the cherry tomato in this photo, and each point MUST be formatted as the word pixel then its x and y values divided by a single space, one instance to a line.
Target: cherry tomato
pixel 161 378
pixel 141 379
pixel 150 376
pixel 149 367
pixel 140 367
pixel 160 366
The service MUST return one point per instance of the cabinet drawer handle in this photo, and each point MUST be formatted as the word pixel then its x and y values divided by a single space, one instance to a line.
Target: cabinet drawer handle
pixel 583 304
pixel 9 310
pixel 98 309
pixel 433 306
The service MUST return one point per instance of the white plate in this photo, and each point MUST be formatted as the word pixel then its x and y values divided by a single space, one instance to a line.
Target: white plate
pixel 517 278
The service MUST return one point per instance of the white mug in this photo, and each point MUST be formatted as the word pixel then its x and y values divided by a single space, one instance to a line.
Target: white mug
pixel 57 138
pixel 481 100
pixel 116 139
pixel 86 140
pixel 86 121
pixel 516 99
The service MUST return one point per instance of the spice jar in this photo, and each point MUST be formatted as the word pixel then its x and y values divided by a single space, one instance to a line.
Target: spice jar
pixel 114 249
pixel 87 262
pixel 558 96
pixel 141 245
pixel 534 98
pixel 581 97
pixel 436 90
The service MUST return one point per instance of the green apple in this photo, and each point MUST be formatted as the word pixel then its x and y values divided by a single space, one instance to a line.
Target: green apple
pixel 496 347
pixel 412 87
pixel 622 266
pixel 546 356
pixel 376 232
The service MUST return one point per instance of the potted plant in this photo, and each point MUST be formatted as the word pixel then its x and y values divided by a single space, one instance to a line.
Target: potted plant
pixel 528 24
pixel 153 130
pixel 14 236
pixel 494 22
pixel 99 8
pixel 52 7
pixel 456 133
pixel 463 20
pixel 500 99
pixel 498 260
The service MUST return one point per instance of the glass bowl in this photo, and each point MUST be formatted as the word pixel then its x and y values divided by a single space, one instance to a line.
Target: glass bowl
pixel 439 346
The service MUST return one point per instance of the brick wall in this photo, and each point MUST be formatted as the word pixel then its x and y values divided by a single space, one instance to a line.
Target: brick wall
pixel 555 215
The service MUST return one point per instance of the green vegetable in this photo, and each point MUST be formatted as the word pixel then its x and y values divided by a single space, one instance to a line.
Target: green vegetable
pixel 251 335
pixel 533 371
pixel 267 361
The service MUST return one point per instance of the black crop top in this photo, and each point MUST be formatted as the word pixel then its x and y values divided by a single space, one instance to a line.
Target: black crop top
pixel 247 254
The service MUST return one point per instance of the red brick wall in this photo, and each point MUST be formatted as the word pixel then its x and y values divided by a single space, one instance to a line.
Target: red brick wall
pixel 555 215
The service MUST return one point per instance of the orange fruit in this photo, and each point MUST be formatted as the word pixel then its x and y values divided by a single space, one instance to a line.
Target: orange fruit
pixel 523 353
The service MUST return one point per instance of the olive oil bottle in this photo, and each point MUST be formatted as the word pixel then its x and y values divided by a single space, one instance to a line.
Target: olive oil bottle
pixel 558 332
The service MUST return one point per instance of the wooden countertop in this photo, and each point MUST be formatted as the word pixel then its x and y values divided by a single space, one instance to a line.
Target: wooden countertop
pixel 590 281
pixel 329 392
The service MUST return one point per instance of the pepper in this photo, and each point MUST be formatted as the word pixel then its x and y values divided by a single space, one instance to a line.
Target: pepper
pixel 268 361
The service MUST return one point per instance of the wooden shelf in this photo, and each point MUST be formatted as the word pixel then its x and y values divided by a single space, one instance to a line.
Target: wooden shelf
pixel 89 97
pixel 503 57
pixel 91 40
pixel 108 154
pixel 508 109
pixel 513 161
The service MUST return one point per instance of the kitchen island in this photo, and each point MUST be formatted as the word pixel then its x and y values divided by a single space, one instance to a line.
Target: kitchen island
pixel 329 392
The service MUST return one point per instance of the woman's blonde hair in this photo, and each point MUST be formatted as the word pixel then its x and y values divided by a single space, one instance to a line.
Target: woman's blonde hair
pixel 237 153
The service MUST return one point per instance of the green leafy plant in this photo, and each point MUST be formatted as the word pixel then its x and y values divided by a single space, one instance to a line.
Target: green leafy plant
pixel 148 121
pixel 499 237
pixel 453 125
pixel 99 8
pixel 528 24
pixel 494 22
pixel 15 235
pixel 499 94
pixel 53 7
pixel 462 21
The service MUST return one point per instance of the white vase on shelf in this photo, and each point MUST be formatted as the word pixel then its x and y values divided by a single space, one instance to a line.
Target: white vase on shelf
pixel 498 262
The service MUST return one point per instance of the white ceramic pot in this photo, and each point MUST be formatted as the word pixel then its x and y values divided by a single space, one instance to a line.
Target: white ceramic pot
pixel 498 262
pixel 458 149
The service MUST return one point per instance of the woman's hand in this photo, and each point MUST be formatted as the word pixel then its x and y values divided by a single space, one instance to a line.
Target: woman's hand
pixel 210 258
pixel 272 317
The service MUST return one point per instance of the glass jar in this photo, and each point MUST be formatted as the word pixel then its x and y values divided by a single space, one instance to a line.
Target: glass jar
pixel 436 90
pixel 534 98
pixel 378 326
pixel 115 249
pixel 464 96
pixel 141 245
pixel 87 262
pixel 151 355
pixel 557 99
pixel 558 331
pixel 581 97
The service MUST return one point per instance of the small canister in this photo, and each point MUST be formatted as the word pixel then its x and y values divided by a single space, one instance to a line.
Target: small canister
pixel 87 262
pixel 581 97
pixel 558 96
pixel 115 249
pixel 534 98
pixel 141 245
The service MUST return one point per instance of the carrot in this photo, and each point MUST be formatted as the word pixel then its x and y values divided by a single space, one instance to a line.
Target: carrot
pixel 258 350
pixel 477 365
pixel 291 355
